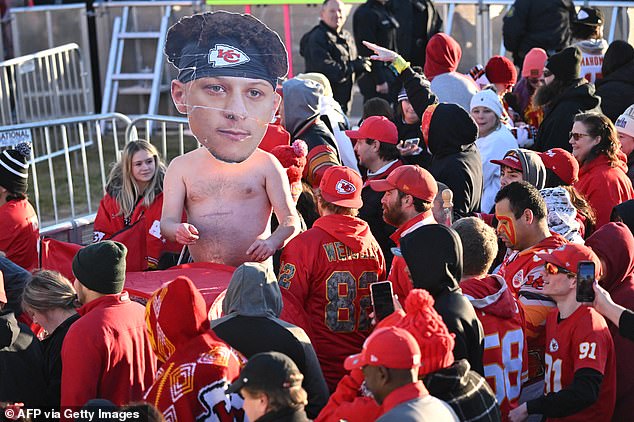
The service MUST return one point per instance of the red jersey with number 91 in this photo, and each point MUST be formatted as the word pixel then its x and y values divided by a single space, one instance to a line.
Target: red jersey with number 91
pixel 582 340
pixel 325 277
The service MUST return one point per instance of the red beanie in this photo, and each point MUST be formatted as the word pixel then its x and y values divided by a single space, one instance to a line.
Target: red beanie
pixel 500 70
pixel 431 333
pixel 293 159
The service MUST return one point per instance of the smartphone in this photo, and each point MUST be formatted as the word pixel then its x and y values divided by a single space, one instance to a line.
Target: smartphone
pixel 585 279
pixel 382 299
pixel 411 142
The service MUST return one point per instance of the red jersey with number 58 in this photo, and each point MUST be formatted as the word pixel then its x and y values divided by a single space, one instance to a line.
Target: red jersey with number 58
pixel 325 277
pixel 582 340
pixel 505 357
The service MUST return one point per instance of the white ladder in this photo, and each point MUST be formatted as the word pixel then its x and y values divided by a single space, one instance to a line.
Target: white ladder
pixel 114 76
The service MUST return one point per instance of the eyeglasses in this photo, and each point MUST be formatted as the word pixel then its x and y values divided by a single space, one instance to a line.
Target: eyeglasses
pixel 577 136
pixel 553 269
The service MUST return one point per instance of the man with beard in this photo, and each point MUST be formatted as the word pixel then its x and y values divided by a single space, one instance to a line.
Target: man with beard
pixel 407 204
pixel 228 65
pixel 563 96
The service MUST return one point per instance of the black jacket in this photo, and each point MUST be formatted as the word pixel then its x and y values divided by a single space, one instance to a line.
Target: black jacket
pixel 433 254
pixel 560 113
pixel 537 23
pixel 330 53
pixel 617 91
pixel 373 22
pixel 21 372
pixel 284 415
pixel 53 362
pixel 452 134
pixel 418 22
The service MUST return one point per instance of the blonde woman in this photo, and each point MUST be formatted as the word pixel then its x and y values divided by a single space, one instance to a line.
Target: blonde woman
pixel 131 208
pixel 49 298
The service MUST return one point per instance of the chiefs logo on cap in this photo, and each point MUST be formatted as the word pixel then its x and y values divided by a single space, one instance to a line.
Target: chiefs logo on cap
pixel 344 187
pixel 223 55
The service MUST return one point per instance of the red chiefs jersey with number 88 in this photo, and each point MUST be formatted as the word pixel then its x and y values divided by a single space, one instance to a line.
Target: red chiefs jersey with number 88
pixel 582 340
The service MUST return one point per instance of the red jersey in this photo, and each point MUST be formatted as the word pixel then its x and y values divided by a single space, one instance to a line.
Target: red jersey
pixel 505 357
pixel 19 233
pixel 582 340
pixel 325 275
pixel 109 225
pixel 401 283
pixel 522 271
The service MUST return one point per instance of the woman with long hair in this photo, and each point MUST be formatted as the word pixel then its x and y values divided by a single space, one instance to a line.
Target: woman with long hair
pixel 134 201
pixel 50 300
pixel 602 166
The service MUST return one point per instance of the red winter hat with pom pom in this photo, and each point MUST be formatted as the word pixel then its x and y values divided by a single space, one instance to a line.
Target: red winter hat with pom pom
pixel 293 159
pixel 431 333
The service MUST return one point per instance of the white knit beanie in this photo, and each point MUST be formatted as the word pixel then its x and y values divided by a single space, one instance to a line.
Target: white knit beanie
pixel 489 99
pixel 625 122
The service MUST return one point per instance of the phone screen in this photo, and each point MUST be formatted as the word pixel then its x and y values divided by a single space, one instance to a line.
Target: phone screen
pixel 382 301
pixel 585 279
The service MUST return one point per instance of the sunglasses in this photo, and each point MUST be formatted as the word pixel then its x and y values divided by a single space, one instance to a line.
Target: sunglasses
pixel 577 136
pixel 553 269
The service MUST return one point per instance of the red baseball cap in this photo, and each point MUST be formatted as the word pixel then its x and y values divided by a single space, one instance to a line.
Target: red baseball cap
pixel 378 128
pixel 562 163
pixel 392 347
pixel 510 160
pixel 340 185
pixel 568 256
pixel 412 180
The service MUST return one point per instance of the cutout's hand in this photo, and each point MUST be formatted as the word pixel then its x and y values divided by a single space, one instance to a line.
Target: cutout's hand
pixel 381 54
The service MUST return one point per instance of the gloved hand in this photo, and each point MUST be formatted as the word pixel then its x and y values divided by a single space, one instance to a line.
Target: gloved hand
pixel 361 65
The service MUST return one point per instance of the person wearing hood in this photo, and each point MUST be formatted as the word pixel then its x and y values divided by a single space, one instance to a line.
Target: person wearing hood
pixel 616 89
pixel 326 271
pixel 624 213
pixel 443 55
pixel 523 227
pixel 433 254
pixel 564 95
pixel 587 35
pixel 537 23
pixel 21 360
pixel 602 165
pixel 196 366
pixel 614 245
pixel 251 325
pixel 521 164
pixel 134 194
pixel 505 356
pixel 494 140
pixel 300 117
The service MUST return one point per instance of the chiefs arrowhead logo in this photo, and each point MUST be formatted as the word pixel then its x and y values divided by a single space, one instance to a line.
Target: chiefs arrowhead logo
pixel 223 55
pixel 554 346
pixel 518 279
pixel 344 187
pixel 551 153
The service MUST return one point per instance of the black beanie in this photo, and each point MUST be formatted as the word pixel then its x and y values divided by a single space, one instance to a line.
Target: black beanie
pixel 14 169
pixel 565 65
pixel 101 266
pixel 618 54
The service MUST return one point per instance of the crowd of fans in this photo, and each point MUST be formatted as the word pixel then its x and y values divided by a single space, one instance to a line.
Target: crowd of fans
pixel 476 195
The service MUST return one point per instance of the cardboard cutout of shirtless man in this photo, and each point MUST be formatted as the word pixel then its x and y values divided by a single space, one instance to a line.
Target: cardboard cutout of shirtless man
pixel 228 69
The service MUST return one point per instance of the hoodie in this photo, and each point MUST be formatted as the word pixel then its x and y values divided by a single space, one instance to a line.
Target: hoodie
pixel 301 120
pixel 624 212
pixel 617 90
pixel 197 365
pixel 560 112
pixel 443 58
pixel 604 185
pixel 533 169
pixel 252 305
pixel 433 254
pixel 504 342
pixel 592 52
pixel 21 363
pixel 614 244
pixel 456 160
pixel 325 273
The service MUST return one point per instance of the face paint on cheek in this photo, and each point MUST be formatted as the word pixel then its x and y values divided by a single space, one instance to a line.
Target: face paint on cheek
pixel 507 228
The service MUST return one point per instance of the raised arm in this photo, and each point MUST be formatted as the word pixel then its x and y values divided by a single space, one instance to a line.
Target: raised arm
pixel 174 194
pixel 279 192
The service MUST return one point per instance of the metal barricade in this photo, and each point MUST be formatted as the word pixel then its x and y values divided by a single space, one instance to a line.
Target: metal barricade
pixel 174 137
pixel 67 183
pixel 50 84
